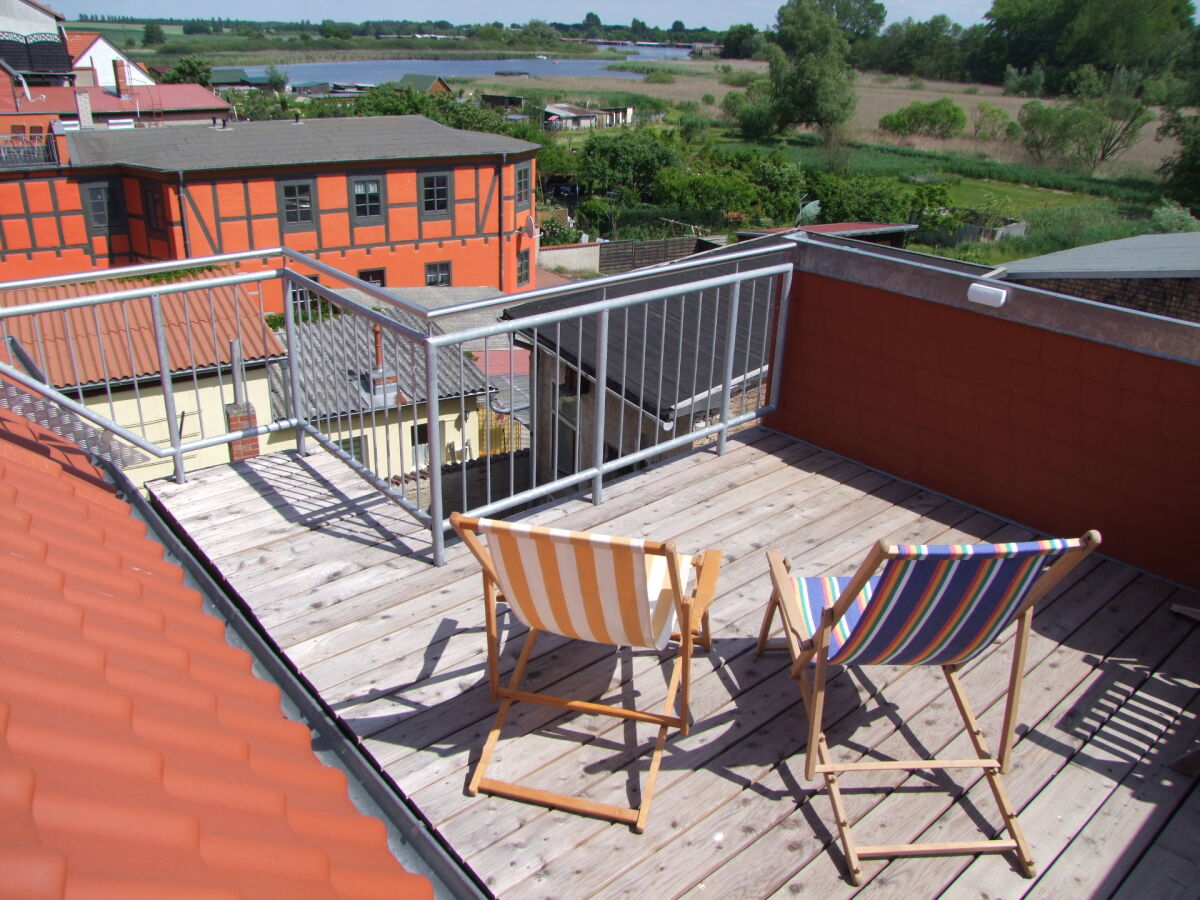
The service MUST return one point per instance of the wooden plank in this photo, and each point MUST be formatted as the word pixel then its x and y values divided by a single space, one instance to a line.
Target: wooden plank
pixel 1169 870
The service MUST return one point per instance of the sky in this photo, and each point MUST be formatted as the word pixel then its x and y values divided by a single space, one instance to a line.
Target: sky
pixel 716 14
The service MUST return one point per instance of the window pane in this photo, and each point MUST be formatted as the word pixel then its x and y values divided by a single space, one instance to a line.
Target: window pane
pixel 297 204
pixel 436 193
pixel 368 198
pixel 98 205
pixel 522 190
pixel 437 274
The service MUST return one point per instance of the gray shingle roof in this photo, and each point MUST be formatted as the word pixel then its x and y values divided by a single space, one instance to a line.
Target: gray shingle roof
pixel 190 148
pixel 1144 256
pixel 337 359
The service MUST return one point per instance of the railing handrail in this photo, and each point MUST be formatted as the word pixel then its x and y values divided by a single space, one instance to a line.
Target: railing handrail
pixel 578 312
pixel 174 287
pixel 701 261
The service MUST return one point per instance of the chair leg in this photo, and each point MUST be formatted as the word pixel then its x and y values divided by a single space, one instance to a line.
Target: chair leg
pixel 818 751
pixel 991 773
pixel 643 811
pixel 764 630
pixel 514 683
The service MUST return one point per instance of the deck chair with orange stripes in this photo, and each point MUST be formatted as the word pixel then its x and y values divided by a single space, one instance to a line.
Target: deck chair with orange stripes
pixel 930 605
pixel 611 590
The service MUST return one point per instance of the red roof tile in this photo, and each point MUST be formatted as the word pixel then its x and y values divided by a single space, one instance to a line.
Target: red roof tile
pixel 138 100
pixel 79 41
pixel 139 755
pixel 116 340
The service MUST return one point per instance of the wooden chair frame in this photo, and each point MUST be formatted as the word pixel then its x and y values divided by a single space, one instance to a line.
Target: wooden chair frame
pixel 692 612
pixel 813 651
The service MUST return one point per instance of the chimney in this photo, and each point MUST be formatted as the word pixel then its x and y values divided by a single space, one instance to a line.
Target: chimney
pixel 121 76
pixel 83 104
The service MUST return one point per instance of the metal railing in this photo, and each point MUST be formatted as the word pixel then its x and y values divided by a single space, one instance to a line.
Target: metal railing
pixel 585 380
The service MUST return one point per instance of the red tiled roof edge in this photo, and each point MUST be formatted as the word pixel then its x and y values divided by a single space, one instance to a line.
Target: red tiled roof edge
pixel 139 754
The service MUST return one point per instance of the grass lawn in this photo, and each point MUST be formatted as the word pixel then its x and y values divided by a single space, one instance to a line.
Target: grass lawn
pixel 1012 200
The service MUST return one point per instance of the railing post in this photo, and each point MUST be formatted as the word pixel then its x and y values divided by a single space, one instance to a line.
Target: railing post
pixel 292 339
pixel 730 347
pixel 601 393
pixel 436 535
pixel 785 295
pixel 164 369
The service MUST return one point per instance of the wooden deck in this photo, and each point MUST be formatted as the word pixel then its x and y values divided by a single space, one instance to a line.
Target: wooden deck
pixel 340 578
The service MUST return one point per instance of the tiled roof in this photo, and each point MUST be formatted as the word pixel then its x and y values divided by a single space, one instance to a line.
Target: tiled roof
pixel 84 345
pixel 139 99
pixel 79 41
pixel 139 754
pixel 258 144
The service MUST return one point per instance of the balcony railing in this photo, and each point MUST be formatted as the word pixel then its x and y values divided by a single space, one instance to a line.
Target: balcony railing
pixel 17 150
pixel 575 384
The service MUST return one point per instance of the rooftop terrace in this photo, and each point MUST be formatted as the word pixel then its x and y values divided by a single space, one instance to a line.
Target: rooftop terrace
pixel 395 646
pixel 894 404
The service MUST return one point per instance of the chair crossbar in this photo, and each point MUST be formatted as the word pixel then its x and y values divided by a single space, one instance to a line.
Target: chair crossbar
pixel 946 848
pixel 911 765
pixel 584 706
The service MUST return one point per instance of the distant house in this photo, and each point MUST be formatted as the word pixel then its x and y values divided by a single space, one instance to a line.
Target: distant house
pixel 504 102
pixel 425 84
pixel 33 43
pixel 113 367
pixel 872 232
pixel 617 115
pixel 396 200
pixel 26 111
pixel 1153 273
pixel 229 79
pixel 97 62
pixel 564 117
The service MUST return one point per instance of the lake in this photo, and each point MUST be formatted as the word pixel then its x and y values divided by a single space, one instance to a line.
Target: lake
pixel 375 71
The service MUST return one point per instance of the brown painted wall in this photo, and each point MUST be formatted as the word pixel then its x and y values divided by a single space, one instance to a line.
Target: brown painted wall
pixel 1057 432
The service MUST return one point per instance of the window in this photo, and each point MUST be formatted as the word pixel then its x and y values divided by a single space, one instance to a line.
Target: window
pixel 366 198
pixel 153 211
pixel 435 195
pixel 18 129
pixel 355 447
pixel 372 276
pixel 104 207
pixel 437 274
pixel 296 205
pixel 522 191
pixel 305 304
pixel 523 267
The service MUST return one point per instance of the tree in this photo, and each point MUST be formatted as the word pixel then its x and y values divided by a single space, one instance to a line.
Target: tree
pixel 190 70
pixel 276 80
pixel 1182 168
pixel 811 83
pixel 858 19
pixel 742 42
pixel 197 28
pixel 153 34
pixel 942 118
pixel 626 161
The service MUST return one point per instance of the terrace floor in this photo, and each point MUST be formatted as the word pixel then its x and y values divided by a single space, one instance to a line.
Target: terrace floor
pixel 340 579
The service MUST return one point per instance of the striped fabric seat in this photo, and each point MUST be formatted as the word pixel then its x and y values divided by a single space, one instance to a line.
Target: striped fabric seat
pixel 585 586
pixel 931 605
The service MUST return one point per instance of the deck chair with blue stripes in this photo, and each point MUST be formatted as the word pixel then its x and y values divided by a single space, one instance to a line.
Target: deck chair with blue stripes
pixel 610 590
pixel 929 605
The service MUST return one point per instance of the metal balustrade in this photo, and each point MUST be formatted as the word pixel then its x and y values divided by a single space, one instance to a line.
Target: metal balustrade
pixel 584 381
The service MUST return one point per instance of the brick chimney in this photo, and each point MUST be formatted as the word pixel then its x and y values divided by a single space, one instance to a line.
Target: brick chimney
pixel 83 104
pixel 121 75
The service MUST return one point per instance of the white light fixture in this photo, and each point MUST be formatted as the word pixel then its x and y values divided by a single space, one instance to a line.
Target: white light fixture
pixel 986 295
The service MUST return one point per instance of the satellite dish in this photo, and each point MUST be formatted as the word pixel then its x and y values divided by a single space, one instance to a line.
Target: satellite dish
pixel 530 229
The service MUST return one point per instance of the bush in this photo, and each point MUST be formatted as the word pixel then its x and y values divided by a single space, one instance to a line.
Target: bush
pixel 708 100
pixel 941 119
pixel 556 233
pixel 1022 83
pixel 915 84
pixel 659 78
pixel 1170 217
pixel 1072 225
pixel 740 77
pixel 991 123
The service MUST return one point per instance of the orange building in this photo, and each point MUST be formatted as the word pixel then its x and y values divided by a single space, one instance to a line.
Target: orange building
pixel 396 200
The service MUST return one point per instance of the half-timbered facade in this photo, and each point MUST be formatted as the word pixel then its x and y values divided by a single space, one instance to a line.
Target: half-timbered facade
pixel 396 201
